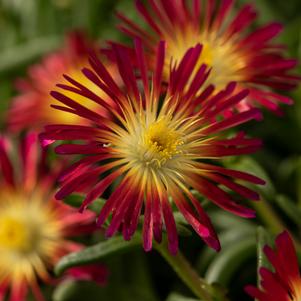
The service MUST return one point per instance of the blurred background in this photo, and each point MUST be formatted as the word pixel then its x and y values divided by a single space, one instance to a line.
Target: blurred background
pixel 29 29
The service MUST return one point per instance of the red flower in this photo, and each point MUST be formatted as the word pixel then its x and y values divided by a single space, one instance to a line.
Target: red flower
pixel 284 284
pixel 91 272
pixel 155 143
pixel 34 227
pixel 250 59
pixel 31 108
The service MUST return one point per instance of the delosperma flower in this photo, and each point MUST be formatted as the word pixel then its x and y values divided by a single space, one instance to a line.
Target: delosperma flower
pixel 156 143
pixel 31 109
pixel 284 284
pixel 35 229
pixel 235 53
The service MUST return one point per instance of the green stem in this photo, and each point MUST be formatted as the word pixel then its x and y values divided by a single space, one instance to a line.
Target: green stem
pixel 182 267
pixel 269 217
pixel 272 220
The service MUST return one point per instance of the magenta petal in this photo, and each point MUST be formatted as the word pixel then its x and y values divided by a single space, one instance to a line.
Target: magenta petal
pixel 147 228
pixel 5 163
pixel 170 225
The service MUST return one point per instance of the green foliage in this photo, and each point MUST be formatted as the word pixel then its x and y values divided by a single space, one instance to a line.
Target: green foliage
pixel 177 297
pixel 99 251
pixel 129 279
pixel 263 239
pixel 32 28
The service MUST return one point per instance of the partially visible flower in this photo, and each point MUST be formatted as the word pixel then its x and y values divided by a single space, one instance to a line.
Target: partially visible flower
pixel 31 109
pixel 155 145
pixel 248 58
pixel 92 272
pixel 284 283
pixel 34 227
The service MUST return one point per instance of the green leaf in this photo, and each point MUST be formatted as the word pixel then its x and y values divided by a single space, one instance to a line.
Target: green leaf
pixel 183 230
pixel 249 165
pixel 225 220
pixel 263 239
pixel 178 297
pixel 75 200
pixel 23 54
pixel 64 290
pixel 94 253
pixel 231 229
pixel 290 208
pixel 181 224
pixel 228 238
pixel 129 279
pixel 227 262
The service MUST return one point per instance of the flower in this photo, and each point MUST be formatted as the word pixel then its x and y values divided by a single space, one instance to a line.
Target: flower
pixel 284 284
pixel 154 144
pixel 250 59
pixel 34 227
pixel 31 109
pixel 90 272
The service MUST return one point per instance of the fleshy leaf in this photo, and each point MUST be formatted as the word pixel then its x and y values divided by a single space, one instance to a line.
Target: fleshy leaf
pixel 178 297
pixel 248 164
pixel 227 262
pixel 95 253
pixel 75 200
pixel 290 208
pixel 263 239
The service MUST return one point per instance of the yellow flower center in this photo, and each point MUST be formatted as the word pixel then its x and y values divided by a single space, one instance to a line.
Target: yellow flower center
pixel 59 116
pixel 225 59
pixel 14 234
pixel 30 235
pixel 177 51
pixel 66 117
pixel 206 55
pixel 161 142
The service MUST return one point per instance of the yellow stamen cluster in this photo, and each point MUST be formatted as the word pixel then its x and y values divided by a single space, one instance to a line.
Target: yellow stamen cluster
pixel 206 55
pixel 15 234
pixel 227 62
pixel 161 142
pixel 30 235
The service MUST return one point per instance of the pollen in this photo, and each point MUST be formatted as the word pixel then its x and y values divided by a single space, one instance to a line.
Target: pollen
pixel 226 60
pixel 177 49
pixel 206 55
pixel 14 234
pixel 162 141
pixel 27 226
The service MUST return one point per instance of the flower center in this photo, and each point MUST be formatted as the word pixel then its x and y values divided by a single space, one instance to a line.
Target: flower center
pixel 26 225
pixel 76 73
pixel 66 117
pixel 206 55
pixel 161 142
pixel 227 62
pixel 15 234
pixel 177 48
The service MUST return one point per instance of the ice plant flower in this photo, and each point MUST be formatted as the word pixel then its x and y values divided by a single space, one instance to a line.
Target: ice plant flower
pixel 35 229
pixel 155 144
pixel 284 284
pixel 31 109
pixel 235 54
pixel 91 272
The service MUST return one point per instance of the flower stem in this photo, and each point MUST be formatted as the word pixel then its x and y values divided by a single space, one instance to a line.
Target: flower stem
pixel 182 267
pixel 272 220
pixel 269 217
